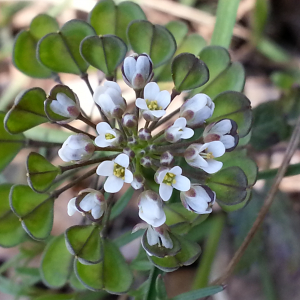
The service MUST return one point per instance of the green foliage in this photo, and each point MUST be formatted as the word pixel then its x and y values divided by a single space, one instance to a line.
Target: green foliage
pixel 40 172
pixel 57 263
pixel 121 203
pixel 201 293
pixel 104 53
pixel 35 211
pixel 24 52
pixel 59 51
pixel 112 274
pixel 28 107
pixel 155 40
pixel 84 242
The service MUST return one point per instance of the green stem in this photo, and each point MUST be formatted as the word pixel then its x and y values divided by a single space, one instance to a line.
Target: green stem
pixel 175 146
pixel 269 174
pixel 151 290
pixel 210 249
pixel 107 216
pixel 225 20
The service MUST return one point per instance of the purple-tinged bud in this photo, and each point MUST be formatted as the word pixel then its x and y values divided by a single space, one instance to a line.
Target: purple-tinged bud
pixel 138 181
pixel 129 120
pixel 146 162
pixel 131 140
pixel 144 134
pixel 129 152
pixel 178 131
pixel 167 159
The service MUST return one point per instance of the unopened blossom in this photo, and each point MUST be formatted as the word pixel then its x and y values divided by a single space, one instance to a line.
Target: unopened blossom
pixel 159 236
pixel 107 137
pixel 109 98
pixel 78 147
pixel 66 107
pixel 144 134
pixel 178 131
pixel 169 178
pixel 155 102
pixel 197 109
pixel 151 209
pixel 167 159
pixel 224 131
pixel 117 172
pixel 137 70
pixel 202 156
pixel 129 120
pixel 138 181
pixel 199 199
pixel 93 202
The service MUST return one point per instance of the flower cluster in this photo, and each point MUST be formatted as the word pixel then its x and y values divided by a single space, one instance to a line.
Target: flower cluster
pixel 135 149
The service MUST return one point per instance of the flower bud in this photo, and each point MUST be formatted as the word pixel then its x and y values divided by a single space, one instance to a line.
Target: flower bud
pixel 78 147
pixel 109 98
pixel 129 120
pixel 107 137
pixel 66 107
pixel 150 208
pixel 146 162
pixel 159 236
pixel 131 140
pixel 129 152
pixel 197 109
pixel 167 159
pixel 138 181
pixel 199 199
pixel 178 131
pixel 224 131
pixel 144 134
pixel 137 70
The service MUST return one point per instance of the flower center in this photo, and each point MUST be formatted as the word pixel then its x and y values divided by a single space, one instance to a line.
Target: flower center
pixel 119 171
pixel 208 155
pixel 169 179
pixel 109 136
pixel 152 105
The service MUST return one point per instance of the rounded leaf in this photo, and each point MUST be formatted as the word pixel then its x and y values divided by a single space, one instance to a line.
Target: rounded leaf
pixel 35 211
pixel 27 111
pixel 112 274
pixel 104 53
pixel 59 51
pixel 188 72
pixel 155 40
pixel 56 264
pixel 84 242
pixel 235 106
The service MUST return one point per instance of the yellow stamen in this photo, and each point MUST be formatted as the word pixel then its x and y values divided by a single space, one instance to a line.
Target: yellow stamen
pixel 119 171
pixel 208 155
pixel 169 179
pixel 109 136
pixel 152 105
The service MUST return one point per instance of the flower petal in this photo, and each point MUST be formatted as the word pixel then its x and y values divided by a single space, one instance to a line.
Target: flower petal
pixel 64 100
pixel 163 99
pixel 106 168
pixel 88 202
pixel 228 141
pixel 113 184
pixel 101 141
pixel 141 103
pixel 187 133
pixel 102 127
pixel 180 122
pixel 71 207
pixel 129 67
pixel 182 183
pixel 165 191
pixel 97 212
pixel 59 109
pixel 213 166
pixel 216 148
pixel 176 170
pixel 143 66
pixel 113 85
pixel 222 127
pixel 128 176
pixel 157 113
pixel 151 90
pixel 122 160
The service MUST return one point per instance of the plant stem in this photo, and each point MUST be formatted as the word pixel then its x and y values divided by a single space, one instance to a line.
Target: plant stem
pixel 32 143
pixel 292 147
pixel 107 215
pixel 114 149
pixel 86 163
pixel 122 129
pixel 269 174
pixel 86 121
pixel 71 128
pixel 167 118
pixel 175 146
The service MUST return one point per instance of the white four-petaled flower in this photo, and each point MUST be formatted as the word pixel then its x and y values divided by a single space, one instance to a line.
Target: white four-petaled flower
pixel 117 172
pixel 178 131
pixel 78 147
pixel 169 178
pixel 202 156
pixel 199 199
pixel 197 109
pixel 150 208
pixel 154 103
pixel 159 236
pixel 107 137
pixel 109 98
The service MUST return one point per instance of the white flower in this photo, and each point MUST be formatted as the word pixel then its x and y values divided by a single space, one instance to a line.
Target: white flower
pixel 109 98
pixel 137 70
pixel 159 236
pixel 92 202
pixel 117 172
pixel 168 179
pixel 78 147
pixel 197 109
pixel 199 199
pixel 66 107
pixel 107 137
pixel 202 156
pixel 224 131
pixel 154 103
pixel 150 208
pixel 178 131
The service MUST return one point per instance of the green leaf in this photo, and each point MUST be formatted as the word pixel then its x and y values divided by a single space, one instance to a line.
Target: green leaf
pixel 112 274
pixel 11 231
pixel 188 72
pixel 195 295
pixel 56 264
pixel 235 106
pixel 230 185
pixel 121 203
pixel 161 292
pixel 179 30
pixel 75 283
pixel 107 18
pixel 10 145
pixel 141 262
pixel 259 18
pixel 190 251
pixel 84 242
pixel 104 53
pixel 127 237
pixel 155 40
pixel 40 172
pixel 59 51
pixel 28 107
pixel 24 51
pixel 57 297
pixel 35 211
